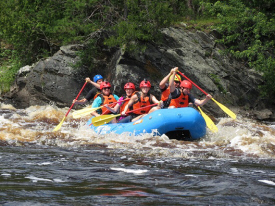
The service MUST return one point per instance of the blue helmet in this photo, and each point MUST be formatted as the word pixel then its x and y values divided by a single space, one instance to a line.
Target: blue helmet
pixel 97 77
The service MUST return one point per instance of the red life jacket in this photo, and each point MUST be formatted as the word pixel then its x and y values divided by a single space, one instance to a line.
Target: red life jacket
pixel 142 102
pixel 107 100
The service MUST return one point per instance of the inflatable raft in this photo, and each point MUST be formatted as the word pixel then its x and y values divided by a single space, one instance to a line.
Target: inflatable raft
pixel 181 124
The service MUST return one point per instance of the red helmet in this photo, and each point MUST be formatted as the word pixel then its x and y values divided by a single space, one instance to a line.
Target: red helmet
pixel 145 83
pixel 129 85
pixel 105 85
pixel 186 84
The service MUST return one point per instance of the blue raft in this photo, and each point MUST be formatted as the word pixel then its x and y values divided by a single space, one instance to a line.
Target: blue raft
pixel 181 124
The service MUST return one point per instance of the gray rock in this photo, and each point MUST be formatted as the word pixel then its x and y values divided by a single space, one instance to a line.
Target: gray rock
pixel 53 80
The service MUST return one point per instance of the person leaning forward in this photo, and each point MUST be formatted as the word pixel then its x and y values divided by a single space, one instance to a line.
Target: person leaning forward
pixel 182 95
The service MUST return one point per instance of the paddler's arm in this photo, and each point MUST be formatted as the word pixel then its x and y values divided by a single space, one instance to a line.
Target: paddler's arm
pixel 204 101
pixel 130 103
pixel 97 102
pixel 93 83
pixel 164 80
pixel 171 81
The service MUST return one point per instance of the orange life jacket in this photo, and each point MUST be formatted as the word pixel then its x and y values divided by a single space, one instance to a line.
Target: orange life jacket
pixel 96 95
pixel 142 102
pixel 107 100
pixel 182 100
pixel 123 105
pixel 164 97
pixel 165 94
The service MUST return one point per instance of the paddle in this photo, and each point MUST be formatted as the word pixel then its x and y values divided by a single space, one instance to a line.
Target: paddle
pixel 209 123
pixel 100 120
pixel 224 108
pixel 60 124
pixel 86 111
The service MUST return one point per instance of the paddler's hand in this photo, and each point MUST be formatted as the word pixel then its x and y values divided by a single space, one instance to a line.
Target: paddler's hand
pixel 209 96
pixel 87 79
pixel 175 70
pixel 160 104
pixel 106 105
pixel 123 113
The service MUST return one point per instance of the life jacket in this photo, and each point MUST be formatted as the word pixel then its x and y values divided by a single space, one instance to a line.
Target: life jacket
pixel 97 93
pixel 165 97
pixel 142 102
pixel 107 100
pixel 123 105
pixel 182 100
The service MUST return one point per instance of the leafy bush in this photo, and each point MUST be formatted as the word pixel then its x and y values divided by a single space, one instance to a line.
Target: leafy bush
pixel 249 36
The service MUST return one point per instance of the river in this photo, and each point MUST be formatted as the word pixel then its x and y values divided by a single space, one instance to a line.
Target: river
pixel 75 166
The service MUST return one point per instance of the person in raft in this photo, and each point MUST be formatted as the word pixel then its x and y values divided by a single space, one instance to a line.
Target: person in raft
pixel 138 100
pixel 182 95
pixel 105 97
pixel 92 95
pixel 130 90
pixel 166 97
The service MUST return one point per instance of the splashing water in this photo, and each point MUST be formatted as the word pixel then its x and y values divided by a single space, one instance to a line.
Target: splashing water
pixel 235 138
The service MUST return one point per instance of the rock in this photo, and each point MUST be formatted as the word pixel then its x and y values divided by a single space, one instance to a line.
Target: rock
pixel 264 114
pixel 53 80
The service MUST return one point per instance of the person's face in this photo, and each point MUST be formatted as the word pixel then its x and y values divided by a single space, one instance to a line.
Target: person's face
pixel 99 81
pixel 145 90
pixel 185 90
pixel 129 92
pixel 177 84
pixel 106 90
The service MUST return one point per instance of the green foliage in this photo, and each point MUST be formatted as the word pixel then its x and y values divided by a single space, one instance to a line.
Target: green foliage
pixel 141 23
pixel 35 29
pixel 249 35
pixel 87 56
pixel 217 82
pixel 7 74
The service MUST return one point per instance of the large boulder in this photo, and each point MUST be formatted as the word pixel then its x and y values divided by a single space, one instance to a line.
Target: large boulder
pixel 197 55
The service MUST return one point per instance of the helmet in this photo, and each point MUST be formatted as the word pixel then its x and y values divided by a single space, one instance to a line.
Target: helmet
pixel 145 83
pixel 177 78
pixel 129 85
pixel 105 85
pixel 97 77
pixel 186 84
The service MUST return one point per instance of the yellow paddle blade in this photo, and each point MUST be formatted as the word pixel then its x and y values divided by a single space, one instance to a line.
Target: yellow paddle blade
pixel 225 109
pixel 59 125
pixel 84 112
pixel 209 123
pixel 103 119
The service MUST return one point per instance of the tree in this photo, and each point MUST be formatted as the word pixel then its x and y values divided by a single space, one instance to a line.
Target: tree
pixel 249 35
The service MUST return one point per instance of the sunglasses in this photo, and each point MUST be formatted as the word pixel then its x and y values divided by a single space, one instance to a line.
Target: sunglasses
pixel 106 88
pixel 177 82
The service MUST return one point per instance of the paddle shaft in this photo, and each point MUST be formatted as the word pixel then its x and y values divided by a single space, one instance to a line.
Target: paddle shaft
pixel 60 124
pixel 193 83
pixel 76 98
pixel 151 105
pixel 224 108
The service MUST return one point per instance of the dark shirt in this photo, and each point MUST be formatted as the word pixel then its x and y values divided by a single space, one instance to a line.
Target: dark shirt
pixel 177 93
pixel 92 93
